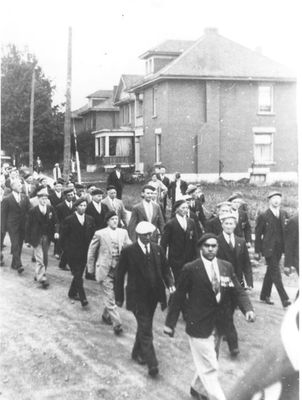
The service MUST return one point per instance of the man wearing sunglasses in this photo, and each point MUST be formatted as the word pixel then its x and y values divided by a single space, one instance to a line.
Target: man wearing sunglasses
pixel 208 285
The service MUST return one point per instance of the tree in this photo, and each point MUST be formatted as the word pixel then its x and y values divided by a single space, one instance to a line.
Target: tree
pixel 16 69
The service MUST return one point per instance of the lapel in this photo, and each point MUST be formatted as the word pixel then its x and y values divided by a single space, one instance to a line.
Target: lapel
pixel 203 274
pixel 225 246
pixel 106 237
pixel 178 226
pixel 140 257
pixel 142 209
pixel 237 246
pixel 15 201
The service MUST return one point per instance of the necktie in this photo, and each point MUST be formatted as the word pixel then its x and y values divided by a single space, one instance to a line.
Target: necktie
pixel 230 243
pixel 214 280
pixel 147 251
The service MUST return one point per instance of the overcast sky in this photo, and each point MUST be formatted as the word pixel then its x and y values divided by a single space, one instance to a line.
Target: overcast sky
pixel 108 36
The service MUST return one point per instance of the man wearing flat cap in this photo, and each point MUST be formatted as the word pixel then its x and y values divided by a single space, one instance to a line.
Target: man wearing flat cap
pixel 179 238
pixel 115 204
pixel 148 276
pixel 269 242
pixel 77 232
pixel 96 209
pixel 208 286
pixel 146 210
pixel 103 256
pixel 243 227
pixel 79 190
pixel 41 228
pixel 115 178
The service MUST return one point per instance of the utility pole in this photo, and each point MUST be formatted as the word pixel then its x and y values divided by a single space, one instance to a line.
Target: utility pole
pixel 77 155
pixel 31 121
pixel 67 122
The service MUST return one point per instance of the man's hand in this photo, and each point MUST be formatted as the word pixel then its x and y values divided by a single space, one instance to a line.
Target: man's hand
pixel 289 270
pixel 56 236
pixel 257 256
pixel 250 316
pixel 168 331
pixel 119 303
pixel 172 289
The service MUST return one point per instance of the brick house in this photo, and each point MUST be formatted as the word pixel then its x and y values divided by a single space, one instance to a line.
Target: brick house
pixel 213 108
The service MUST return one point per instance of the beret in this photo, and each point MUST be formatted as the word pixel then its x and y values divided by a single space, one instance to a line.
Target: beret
pixel 42 192
pixel 191 188
pixel 80 201
pixel 59 180
pixel 68 190
pixel 274 193
pixel 178 203
pixel 96 191
pixel 226 216
pixel 150 187
pixel 26 175
pixel 109 215
pixel 234 196
pixel 144 227
pixel 205 237
pixel 110 187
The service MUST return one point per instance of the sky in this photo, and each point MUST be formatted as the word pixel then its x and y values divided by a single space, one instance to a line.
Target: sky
pixel 108 36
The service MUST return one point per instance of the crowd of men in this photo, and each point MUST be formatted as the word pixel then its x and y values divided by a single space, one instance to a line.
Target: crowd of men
pixel 201 260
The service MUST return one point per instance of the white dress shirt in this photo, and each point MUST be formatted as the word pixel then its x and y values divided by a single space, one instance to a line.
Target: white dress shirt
pixel 149 209
pixel 182 221
pixel 81 218
pixel 68 203
pixel 275 211
pixel 17 196
pixel 229 238
pixel 209 265
pixel 113 234
pixel 143 246
pixel 97 206
pixel 118 174
pixel 178 194
pixel 42 209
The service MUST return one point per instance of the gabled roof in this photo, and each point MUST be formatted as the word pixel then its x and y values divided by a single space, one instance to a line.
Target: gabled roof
pixel 130 80
pixel 100 94
pixel 172 47
pixel 125 83
pixel 77 113
pixel 216 57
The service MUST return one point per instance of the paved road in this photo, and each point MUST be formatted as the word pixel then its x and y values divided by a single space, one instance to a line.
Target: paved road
pixel 53 349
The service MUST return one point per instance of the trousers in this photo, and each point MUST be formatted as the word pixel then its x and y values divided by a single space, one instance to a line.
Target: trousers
pixel 16 238
pixel 273 276
pixel 41 255
pixel 110 308
pixel 76 288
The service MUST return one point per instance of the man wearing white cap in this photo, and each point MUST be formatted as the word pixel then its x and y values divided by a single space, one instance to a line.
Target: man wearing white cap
pixel 148 275
pixel 213 225
pixel 41 227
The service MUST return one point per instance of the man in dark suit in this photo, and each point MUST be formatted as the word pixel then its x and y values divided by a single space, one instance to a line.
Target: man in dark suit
pixel 115 179
pixel 77 232
pixel 41 228
pixel 56 197
pixel 243 226
pixel 97 210
pixel 291 260
pixel 63 210
pixel 180 238
pixel 14 209
pixel 146 210
pixel 177 188
pixel 208 285
pixel 233 249
pixel 269 242
pixel 213 225
pixel 148 275
pixel 196 204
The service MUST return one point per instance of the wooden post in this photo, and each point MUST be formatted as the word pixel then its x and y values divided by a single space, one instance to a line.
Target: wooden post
pixel 67 122
pixel 31 122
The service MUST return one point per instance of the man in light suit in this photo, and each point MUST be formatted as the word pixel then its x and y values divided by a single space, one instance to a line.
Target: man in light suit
pixel 102 259
pixel 208 285
pixel 146 210
pixel 115 204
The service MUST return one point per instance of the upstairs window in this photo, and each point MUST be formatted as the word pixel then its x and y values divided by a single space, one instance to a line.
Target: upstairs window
pixel 154 111
pixel 265 99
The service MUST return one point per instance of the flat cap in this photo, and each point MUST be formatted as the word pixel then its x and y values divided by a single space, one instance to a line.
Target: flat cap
pixel 234 196
pixel 274 193
pixel 79 186
pixel 150 187
pixel 191 188
pixel 60 181
pixel 226 216
pixel 178 203
pixel 109 215
pixel 224 203
pixel 80 201
pixel 144 227
pixel 96 191
pixel 68 190
pixel 111 187
pixel 205 237
pixel 42 192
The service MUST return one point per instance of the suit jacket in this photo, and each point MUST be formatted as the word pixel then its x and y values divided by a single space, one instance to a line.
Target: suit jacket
pixel 116 182
pixel 213 225
pixel 265 234
pixel 139 214
pixel 99 259
pixel 181 245
pixel 243 227
pixel 34 225
pixel 99 218
pixel 54 199
pixel 292 243
pixel 172 189
pixel 204 313
pixel 13 214
pixel 63 211
pixel 119 209
pixel 198 210
pixel 194 217
pixel 74 244
pixel 132 262
pixel 240 259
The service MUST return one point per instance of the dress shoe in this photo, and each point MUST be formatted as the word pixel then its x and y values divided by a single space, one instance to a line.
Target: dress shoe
pixel 234 352
pixel 197 395
pixel 153 371
pixel 33 259
pixel 57 256
pixel 76 297
pixel 20 269
pixel 286 303
pixel 106 320
pixel 268 300
pixel 137 358
pixel 64 267
pixel 84 303
pixel 118 330
pixel 45 284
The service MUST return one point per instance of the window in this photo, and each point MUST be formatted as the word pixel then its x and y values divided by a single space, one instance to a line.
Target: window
pixel 154 102
pixel 157 148
pixel 263 148
pixel 129 113
pixel 265 99
pixel 120 146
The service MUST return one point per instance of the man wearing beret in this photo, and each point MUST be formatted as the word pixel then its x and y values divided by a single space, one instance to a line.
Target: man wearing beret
pixel 63 210
pixel 41 228
pixel 208 285
pixel 243 227
pixel 77 232
pixel 269 242
pixel 146 210
pixel 180 238
pixel 96 209
pixel 115 204
pixel 148 275
pixel 103 256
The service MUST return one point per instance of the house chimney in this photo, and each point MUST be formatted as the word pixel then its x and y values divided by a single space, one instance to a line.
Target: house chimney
pixel 211 31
